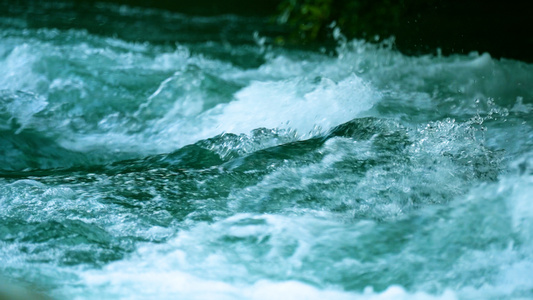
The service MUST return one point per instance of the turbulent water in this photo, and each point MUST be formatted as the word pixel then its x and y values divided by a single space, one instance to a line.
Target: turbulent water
pixel 227 169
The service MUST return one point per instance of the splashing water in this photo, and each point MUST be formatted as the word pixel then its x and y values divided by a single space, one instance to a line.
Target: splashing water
pixel 229 170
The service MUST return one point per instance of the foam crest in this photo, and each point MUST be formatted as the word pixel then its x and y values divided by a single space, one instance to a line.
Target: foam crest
pixel 280 105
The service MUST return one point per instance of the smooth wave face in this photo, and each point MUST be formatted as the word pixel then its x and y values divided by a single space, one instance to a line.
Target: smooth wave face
pixel 237 170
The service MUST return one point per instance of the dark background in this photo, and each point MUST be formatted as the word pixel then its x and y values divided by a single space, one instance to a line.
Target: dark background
pixel 503 29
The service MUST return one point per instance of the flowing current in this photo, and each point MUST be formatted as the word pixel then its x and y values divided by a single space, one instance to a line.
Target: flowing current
pixel 220 168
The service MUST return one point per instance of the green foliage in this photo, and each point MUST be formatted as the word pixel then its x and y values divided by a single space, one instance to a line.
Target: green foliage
pixel 306 18
pixel 309 20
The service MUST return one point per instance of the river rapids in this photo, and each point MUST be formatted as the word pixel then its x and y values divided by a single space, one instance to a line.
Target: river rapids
pixel 219 166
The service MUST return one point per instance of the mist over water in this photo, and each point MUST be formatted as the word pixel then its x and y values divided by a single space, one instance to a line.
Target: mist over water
pixel 233 169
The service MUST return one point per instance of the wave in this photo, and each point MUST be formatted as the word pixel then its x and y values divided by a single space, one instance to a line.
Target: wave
pixel 133 169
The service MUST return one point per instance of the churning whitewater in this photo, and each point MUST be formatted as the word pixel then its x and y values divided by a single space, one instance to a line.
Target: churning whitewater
pixel 226 169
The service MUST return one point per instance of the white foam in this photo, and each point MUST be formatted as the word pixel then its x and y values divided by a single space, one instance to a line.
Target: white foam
pixel 18 71
pixel 173 270
pixel 277 105
pixel 288 104
pixel 125 282
pixel 175 284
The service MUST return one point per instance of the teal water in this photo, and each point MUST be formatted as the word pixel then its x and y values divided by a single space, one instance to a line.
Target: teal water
pixel 220 168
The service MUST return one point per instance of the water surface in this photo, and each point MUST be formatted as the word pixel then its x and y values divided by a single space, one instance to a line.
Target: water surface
pixel 218 166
